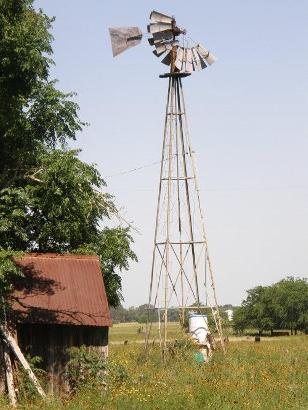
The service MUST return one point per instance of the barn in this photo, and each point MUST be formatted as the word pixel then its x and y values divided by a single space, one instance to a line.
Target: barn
pixel 60 303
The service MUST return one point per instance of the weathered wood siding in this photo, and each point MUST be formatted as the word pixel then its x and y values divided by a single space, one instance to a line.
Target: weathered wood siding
pixel 51 342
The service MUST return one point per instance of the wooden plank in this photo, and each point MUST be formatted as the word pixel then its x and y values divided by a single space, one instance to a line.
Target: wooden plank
pixel 18 353
pixel 2 370
pixel 9 377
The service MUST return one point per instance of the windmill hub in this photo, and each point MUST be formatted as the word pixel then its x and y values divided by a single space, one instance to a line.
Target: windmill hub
pixel 175 29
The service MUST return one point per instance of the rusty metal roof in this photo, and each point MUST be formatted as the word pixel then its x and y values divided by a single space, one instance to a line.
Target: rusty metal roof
pixel 61 289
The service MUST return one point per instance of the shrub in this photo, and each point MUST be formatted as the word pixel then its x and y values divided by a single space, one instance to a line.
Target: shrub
pixel 25 388
pixel 85 366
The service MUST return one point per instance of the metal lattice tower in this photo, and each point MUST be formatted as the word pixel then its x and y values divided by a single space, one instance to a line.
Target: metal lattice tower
pixel 181 268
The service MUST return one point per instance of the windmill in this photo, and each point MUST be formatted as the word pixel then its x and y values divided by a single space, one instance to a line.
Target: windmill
pixel 181 271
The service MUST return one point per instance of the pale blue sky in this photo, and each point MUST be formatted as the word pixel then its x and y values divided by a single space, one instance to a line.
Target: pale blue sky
pixel 248 122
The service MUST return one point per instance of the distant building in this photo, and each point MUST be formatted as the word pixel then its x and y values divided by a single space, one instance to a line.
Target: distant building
pixel 61 302
pixel 229 314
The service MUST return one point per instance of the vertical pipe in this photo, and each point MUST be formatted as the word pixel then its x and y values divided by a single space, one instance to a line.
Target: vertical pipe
pixel 178 176
pixel 169 194
pixel 148 327
pixel 181 108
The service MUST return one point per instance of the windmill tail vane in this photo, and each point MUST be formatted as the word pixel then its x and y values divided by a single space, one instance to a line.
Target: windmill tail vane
pixel 181 270
pixel 123 38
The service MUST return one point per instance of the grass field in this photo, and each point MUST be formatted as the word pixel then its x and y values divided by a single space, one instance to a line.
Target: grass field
pixel 271 374
pixel 135 332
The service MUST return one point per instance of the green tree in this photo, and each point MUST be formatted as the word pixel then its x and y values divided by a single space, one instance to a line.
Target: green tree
pixel 240 320
pixel 258 310
pixel 292 297
pixel 50 201
pixel 284 305
pixel 33 112
pixel 9 271
pixel 113 246
pixel 261 308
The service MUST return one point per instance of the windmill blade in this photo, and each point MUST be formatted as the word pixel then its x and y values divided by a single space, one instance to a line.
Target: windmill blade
pixel 123 38
pixel 206 54
pixel 167 44
pixel 162 36
pixel 203 65
pixel 159 53
pixel 211 59
pixel 167 59
pixel 161 48
pixel 184 59
pixel 156 17
pixel 158 27
pixel 179 58
pixel 189 61
pixel 198 63
pixel 196 59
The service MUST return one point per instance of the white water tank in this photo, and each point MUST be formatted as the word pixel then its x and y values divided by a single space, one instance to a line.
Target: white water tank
pixel 230 314
pixel 198 327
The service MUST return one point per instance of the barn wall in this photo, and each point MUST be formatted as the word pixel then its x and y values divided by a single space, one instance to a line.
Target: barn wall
pixel 50 342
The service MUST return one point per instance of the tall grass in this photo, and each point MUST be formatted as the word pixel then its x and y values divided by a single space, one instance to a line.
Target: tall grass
pixel 265 375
